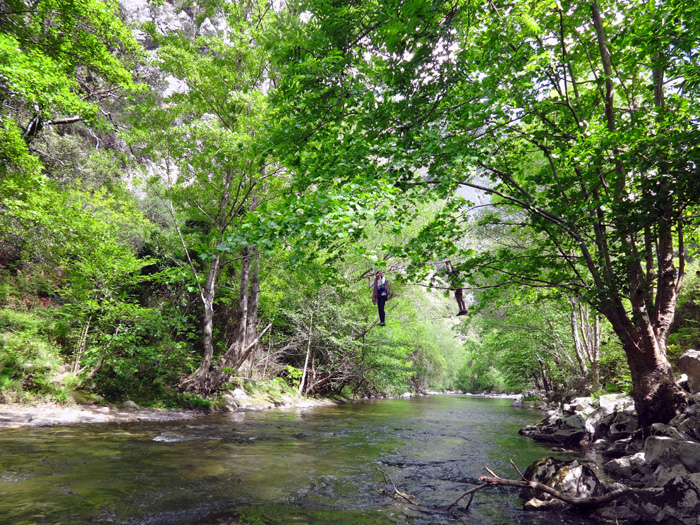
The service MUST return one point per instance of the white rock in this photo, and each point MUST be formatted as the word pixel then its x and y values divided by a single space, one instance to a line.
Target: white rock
pixel 615 402
pixel 689 363
pixel 238 393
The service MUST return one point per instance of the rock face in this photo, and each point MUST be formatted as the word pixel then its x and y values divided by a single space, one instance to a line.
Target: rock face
pixel 689 364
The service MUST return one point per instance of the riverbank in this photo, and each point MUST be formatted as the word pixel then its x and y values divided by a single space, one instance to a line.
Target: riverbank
pixel 49 414
pixel 15 415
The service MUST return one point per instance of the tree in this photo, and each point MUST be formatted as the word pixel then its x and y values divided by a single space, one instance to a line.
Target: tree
pixel 579 118
pixel 205 143
pixel 58 60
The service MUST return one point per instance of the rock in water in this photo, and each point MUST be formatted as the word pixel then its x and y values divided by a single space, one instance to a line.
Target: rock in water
pixel 568 477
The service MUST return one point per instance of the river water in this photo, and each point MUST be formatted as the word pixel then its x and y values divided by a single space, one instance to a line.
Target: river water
pixel 283 466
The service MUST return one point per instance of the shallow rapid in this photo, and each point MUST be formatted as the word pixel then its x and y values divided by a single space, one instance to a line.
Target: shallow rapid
pixel 283 466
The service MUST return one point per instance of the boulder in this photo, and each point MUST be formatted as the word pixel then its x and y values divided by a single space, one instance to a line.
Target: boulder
pixel 238 393
pixel 683 382
pixel 601 444
pixel 615 402
pixel 659 429
pixel 688 422
pixel 528 430
pixel 689 364
pixel 668 452
pixel 130 405
pixel 567 430
pixel 579 404
pixel 633 467
pixel 595 417
pixel 518 401
pixel 619 468
pixel 615 426
pixel 622 447
pixel 673 496
pixel 670 496
pixel 568 477
pixel 538 504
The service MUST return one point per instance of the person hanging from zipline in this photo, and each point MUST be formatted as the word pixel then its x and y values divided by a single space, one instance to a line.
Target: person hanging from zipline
pixel 380 293
pixel 454 283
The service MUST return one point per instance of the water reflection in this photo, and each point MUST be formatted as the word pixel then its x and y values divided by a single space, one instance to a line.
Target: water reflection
pixel 314 466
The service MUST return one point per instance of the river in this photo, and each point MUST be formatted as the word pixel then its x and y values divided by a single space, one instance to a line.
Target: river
pixel 282 466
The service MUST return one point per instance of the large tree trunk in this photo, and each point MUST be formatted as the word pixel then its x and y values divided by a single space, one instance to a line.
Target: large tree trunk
pixel 644 331
pixel 657 396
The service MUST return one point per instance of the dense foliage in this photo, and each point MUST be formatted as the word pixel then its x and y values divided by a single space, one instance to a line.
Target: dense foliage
pixel 569 119
pixel 207 211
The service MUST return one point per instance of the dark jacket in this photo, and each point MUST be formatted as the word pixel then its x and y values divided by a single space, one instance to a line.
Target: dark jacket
pixel 375 291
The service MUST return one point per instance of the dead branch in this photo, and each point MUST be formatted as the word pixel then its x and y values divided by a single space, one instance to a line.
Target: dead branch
pixel 518 470
pixel 579 502
pixel 397 492
pixel 494 480
pixel 469 493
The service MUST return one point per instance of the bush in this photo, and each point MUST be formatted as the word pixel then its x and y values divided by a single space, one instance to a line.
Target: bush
pixel 28 361
pixel 194 402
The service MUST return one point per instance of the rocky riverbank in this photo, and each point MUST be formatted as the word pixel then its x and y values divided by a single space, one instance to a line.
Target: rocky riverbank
pixel 657 470
pixel 49 414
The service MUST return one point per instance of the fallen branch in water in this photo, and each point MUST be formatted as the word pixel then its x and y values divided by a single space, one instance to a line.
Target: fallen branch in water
pixel 397 492
pixel 495 480
pixel 580 502
pixel 469 493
